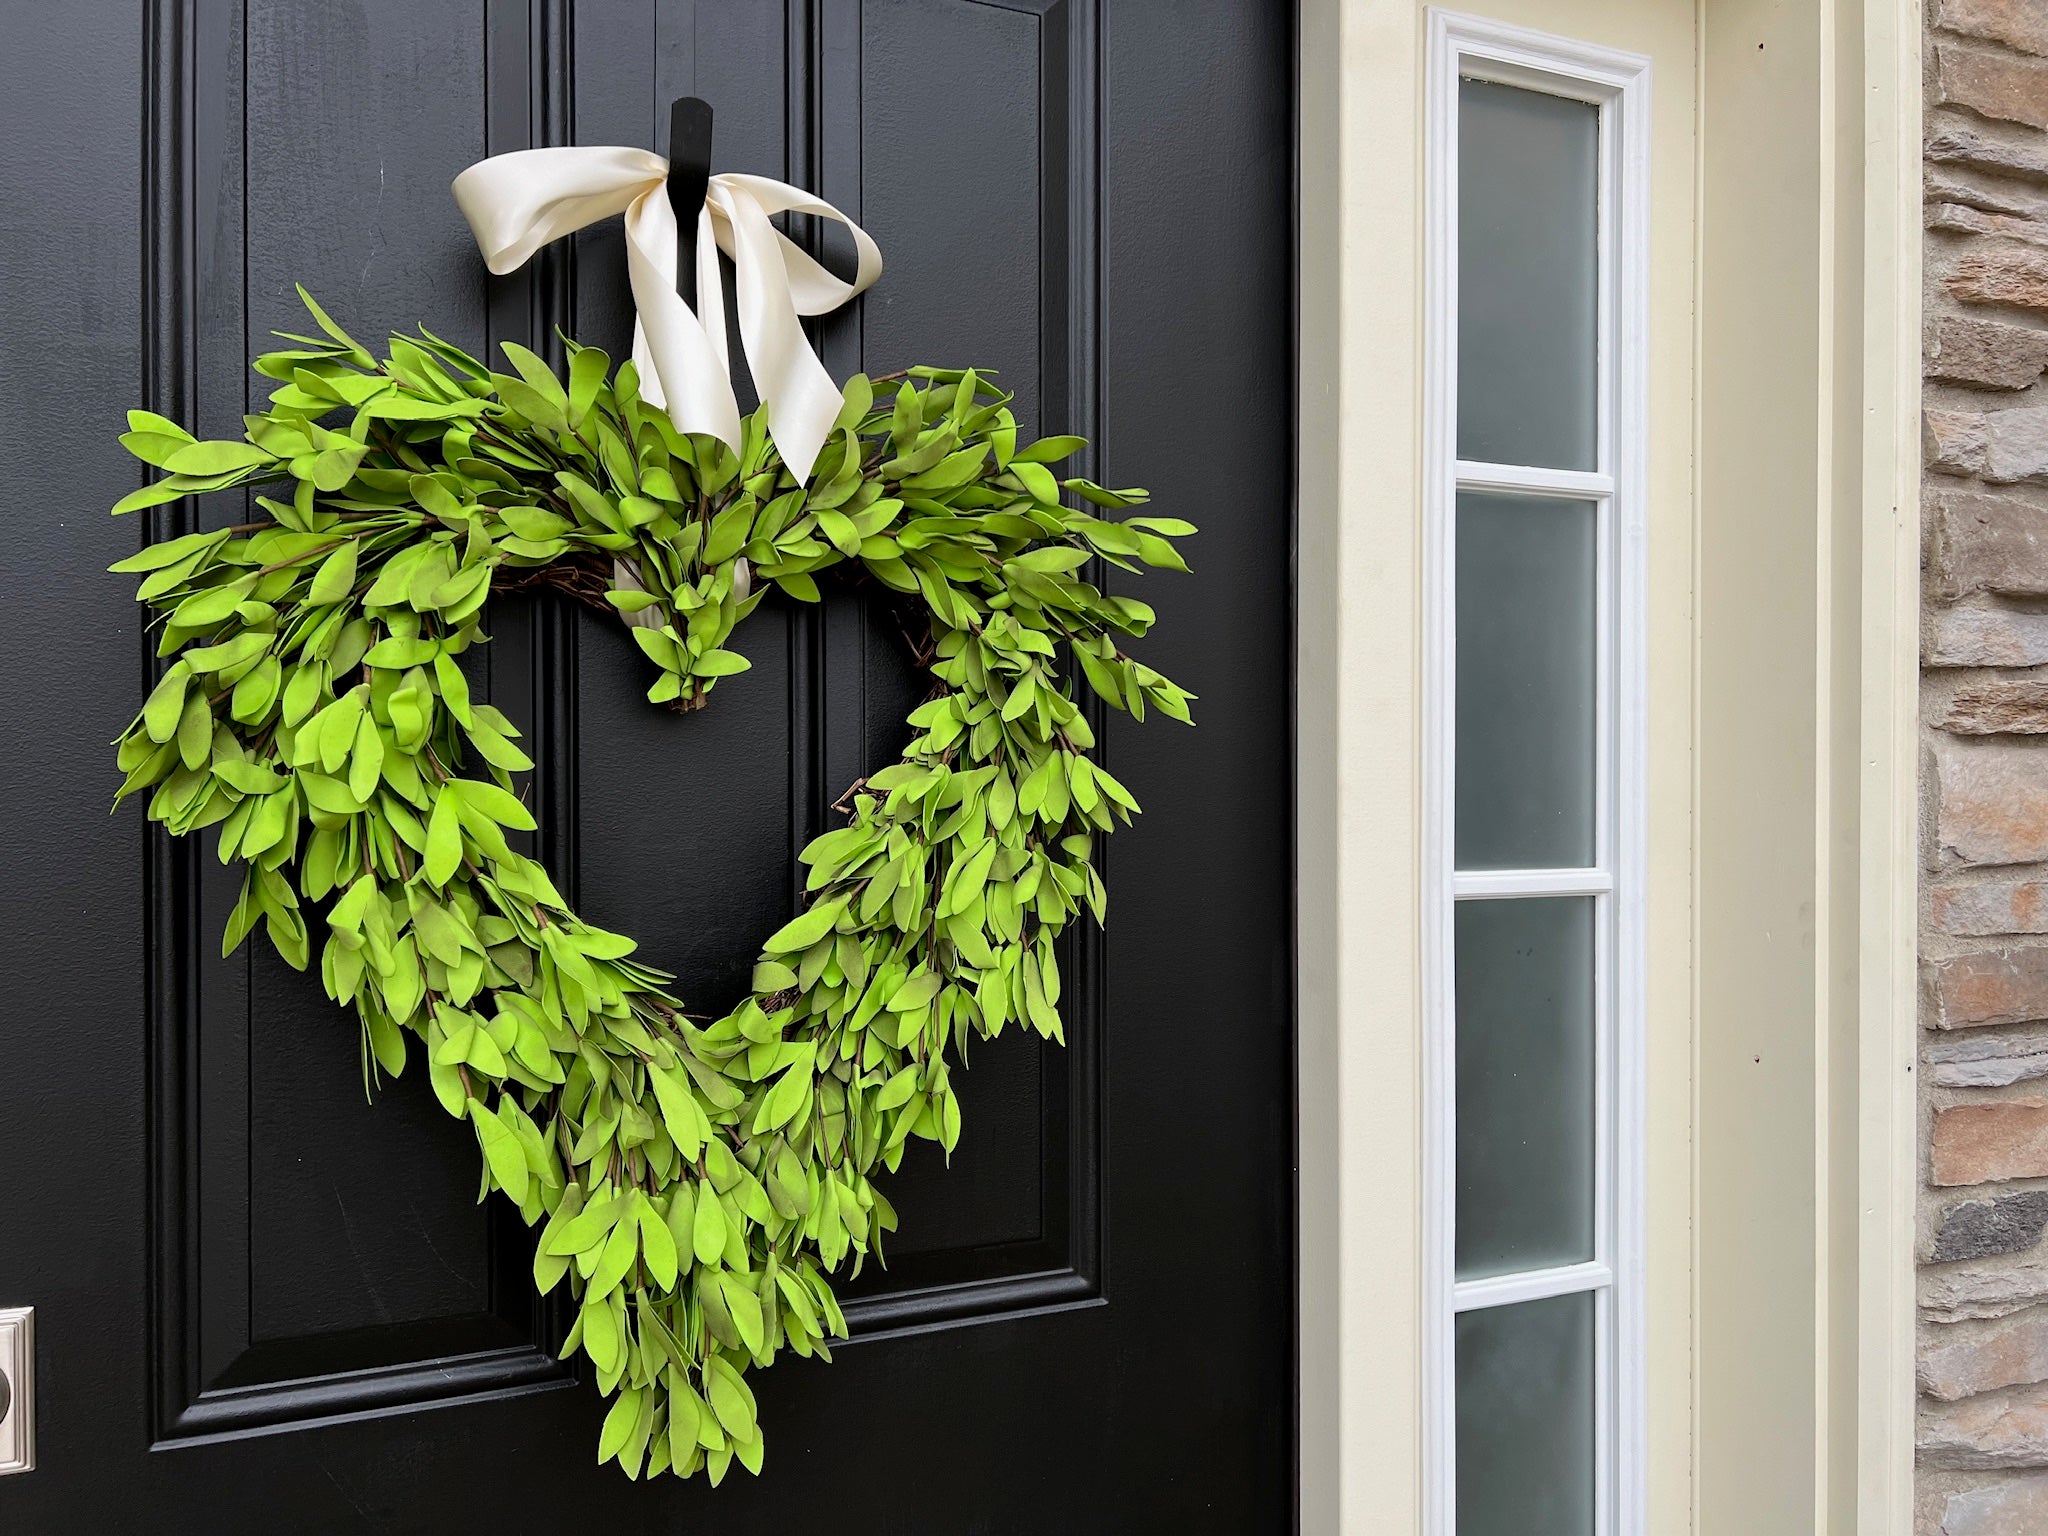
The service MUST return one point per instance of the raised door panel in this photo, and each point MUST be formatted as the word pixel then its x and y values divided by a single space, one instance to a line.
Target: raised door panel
pixel 319 1248
pixel 314 1250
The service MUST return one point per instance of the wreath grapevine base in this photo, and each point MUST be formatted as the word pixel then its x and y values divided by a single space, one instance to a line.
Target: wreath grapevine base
pixel 699 1181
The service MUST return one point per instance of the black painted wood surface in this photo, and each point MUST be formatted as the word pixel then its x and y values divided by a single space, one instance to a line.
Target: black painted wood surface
pixel 265 1305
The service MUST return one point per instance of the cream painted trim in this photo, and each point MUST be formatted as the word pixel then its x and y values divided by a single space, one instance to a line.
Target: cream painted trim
pixel 1807 868
pixel 1887 939
pixel 1851 105
pixel 1357 569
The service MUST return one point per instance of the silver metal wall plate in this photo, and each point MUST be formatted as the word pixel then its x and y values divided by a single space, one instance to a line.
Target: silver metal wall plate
pixel 17 1389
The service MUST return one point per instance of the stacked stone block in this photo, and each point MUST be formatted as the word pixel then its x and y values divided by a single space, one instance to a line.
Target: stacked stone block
pixel 1983 1345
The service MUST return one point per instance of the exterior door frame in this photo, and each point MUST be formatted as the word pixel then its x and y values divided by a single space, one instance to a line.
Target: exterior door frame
pixel 1794 1355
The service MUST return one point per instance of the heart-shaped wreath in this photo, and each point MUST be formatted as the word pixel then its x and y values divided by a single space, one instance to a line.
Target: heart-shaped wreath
pixel 698 1179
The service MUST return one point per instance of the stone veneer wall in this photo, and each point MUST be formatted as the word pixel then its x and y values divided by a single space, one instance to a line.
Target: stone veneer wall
pixel 1983 1344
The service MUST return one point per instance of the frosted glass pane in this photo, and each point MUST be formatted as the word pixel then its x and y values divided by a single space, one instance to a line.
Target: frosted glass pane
pixel 1525 704
pixel 1528 183
pixel 1524 976
pixel 1525 1419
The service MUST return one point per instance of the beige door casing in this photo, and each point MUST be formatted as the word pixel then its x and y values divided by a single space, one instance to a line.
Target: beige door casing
pixel 1782 644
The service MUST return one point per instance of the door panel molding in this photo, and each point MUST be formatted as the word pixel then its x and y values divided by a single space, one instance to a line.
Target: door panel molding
pixel 214 1377
pixel 1063 1267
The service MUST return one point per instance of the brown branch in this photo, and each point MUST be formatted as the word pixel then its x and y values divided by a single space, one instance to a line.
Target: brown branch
pixel 580 577
pixel 844 804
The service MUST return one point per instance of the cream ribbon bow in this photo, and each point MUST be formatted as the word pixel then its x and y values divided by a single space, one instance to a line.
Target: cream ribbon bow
pixel 516 203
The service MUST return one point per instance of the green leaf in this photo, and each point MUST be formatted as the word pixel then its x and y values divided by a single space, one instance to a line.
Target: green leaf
pixel 149 421
pixel 619 1424
pixel 195 731
pixel 632 602
pixel 358 356
pixel 897 1090
pixel 620 1250
pixel 501 1150
pixel 1021 696
pixel 335 736
pixel 799 586
pixel 447 1086
pixel 1102 497
pixel 249 778
pixel 917 992
pixel 838 527
pixel 454 689
pixel 444 835
pixel 730 1399
pixel 1038 481
pixel 772 976
pixel 500 805
pixel 729 532
pixel 955 469
pixel 538 375
pixel 366 763
pixel 1050 450
pixel 246 646
pixel 716 663
pixel 745 1308
pixel 395 654
pixel 330 795
pixel 682 1220
pixel 678 1112
pixel 657 1247
pixel 783 1101
pixel 205 609
pixel 707 1232
pixel 532 523
pixel 1103 678
pixel 683 1408
pixel 949 1122
pixel 336 577
pixel 804 931
pixel 796 1300
pixel 335 467
pixel 387 1041
pixel 540 408
pixel 169 552
pixel 302 692
pixel 601 1339
pixel 587 371
pixel 660 648
pixel 591 1226
pixel 857 399
pixel 549 1266
pixel 171 488
pixel 398 406
pixel 216 458
pixel 166 704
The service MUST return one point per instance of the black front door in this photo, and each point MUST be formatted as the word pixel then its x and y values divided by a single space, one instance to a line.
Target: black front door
pixel 264 1304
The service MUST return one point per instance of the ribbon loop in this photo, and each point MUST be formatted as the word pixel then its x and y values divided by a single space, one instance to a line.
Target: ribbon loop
pixel 518 202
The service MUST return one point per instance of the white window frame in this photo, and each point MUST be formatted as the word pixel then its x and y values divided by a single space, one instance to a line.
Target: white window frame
pixel 1618 84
